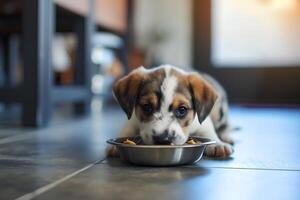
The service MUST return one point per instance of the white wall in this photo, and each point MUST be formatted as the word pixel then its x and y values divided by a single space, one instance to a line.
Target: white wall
pixel 172 18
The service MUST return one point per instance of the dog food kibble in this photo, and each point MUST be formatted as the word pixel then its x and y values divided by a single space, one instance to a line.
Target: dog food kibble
pixel 191 141
pixel 127 141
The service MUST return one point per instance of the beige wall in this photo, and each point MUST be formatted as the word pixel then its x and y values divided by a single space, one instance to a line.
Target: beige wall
pixel 173 19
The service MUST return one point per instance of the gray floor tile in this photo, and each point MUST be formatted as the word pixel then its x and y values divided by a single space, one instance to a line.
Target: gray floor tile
pixel 268 139
pixel 48 154
pixel 11 132
pixel 266 154
pixel 18 178
pixel 115 180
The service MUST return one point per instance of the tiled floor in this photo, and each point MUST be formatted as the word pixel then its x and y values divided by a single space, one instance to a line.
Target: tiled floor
pixel 58 162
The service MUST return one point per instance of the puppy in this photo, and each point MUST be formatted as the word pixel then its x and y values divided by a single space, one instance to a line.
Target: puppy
pixel 166 105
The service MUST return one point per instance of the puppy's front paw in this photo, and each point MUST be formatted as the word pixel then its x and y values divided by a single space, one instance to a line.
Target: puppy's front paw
pixel 112 151
pixel 219 150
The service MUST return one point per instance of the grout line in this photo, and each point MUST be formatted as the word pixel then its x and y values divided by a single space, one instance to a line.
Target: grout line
pixel 257 169
pixel 45 188
pixel 238 168
pixel 16 138
pixel 30 133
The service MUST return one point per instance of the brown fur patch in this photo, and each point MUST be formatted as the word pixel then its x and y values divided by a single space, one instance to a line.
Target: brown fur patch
pixel 181 100
pixel 126 91
pixel 150 93
pixel 151 99
pixel 204 96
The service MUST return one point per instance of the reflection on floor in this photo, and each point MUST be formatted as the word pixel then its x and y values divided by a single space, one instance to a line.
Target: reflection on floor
pixel 58 162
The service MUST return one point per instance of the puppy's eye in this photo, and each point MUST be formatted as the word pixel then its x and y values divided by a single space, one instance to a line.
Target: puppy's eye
pixel 181 112
pixel 147 109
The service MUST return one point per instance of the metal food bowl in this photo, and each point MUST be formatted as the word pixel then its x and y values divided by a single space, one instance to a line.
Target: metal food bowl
pixel 160 155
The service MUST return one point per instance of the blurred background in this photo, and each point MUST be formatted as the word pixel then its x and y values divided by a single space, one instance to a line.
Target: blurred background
pixel 65 53
pixel 60 58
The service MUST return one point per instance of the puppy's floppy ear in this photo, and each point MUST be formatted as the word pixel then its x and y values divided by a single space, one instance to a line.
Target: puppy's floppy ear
pixel 203 95
pixel 126 90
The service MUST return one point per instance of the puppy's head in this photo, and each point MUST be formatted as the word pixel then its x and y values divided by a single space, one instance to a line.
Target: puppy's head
pixel 164 101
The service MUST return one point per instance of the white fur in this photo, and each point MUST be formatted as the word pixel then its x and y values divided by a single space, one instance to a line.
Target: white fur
pixel 205 129
pixel 168 88
pixel 163 120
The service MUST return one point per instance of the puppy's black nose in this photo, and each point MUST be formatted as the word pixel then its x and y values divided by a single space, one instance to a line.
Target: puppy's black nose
pixel 163 138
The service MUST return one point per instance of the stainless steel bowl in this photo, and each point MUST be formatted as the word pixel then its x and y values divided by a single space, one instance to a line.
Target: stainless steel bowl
pixel 160 155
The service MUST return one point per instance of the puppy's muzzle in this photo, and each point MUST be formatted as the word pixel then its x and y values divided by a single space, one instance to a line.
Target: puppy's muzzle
pixel 163 138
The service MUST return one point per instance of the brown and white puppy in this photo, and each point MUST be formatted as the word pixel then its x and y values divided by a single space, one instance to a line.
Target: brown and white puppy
pixel 166 105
